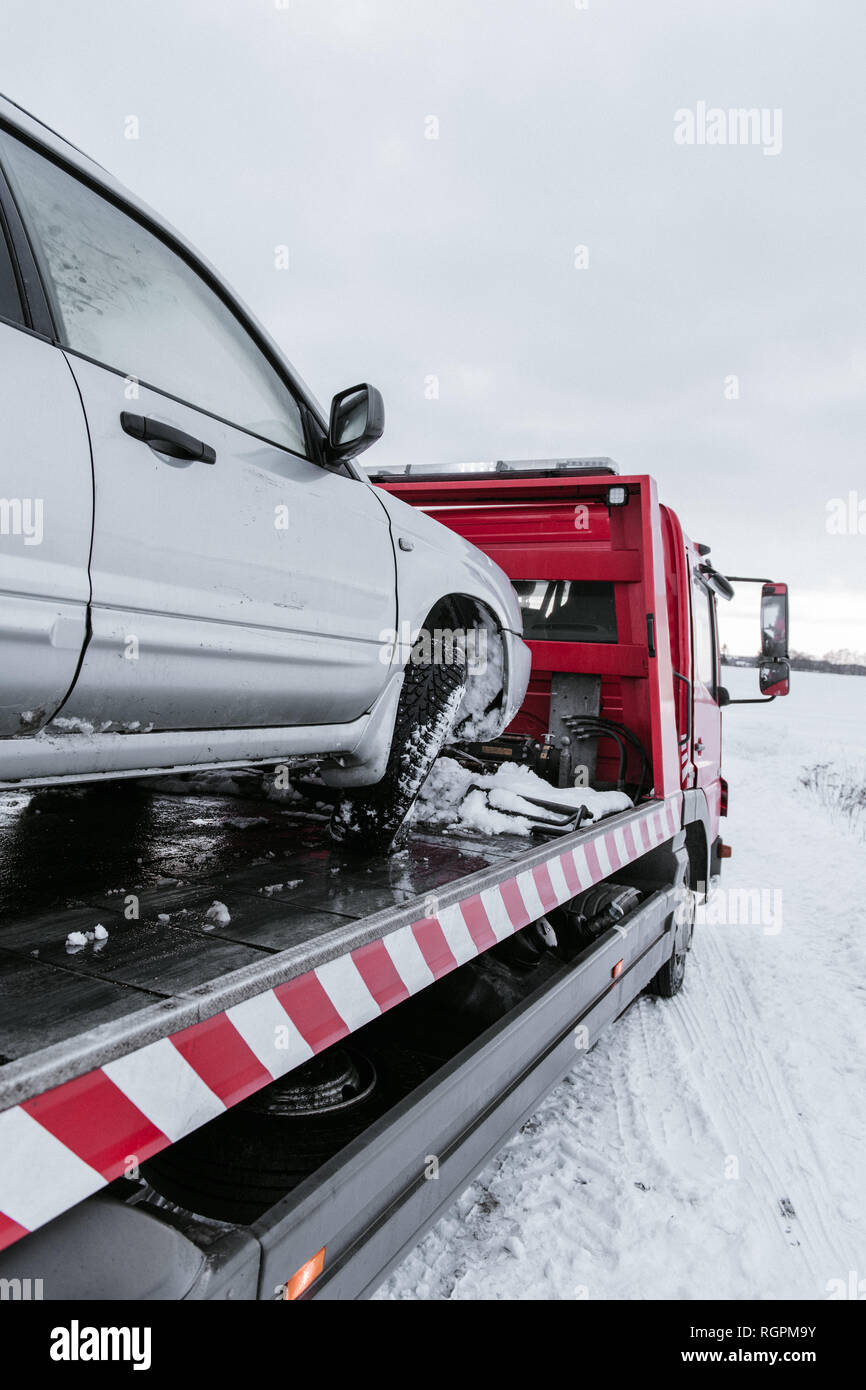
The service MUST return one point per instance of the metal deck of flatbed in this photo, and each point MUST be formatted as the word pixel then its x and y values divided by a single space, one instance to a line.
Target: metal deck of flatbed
pixel 71 859
pixel 89 1065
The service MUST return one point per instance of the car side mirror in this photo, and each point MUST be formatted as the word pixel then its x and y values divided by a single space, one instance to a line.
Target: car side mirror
pixel 774 677
pixel 357 421
pixel 774 622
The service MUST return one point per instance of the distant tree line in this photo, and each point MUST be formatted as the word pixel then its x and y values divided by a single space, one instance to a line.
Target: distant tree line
pixel 834 663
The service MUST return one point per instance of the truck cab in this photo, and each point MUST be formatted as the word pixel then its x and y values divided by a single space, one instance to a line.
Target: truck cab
pixel 620 616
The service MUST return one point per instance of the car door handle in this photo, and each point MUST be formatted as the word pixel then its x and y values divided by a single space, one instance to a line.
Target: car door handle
pixel 699 746
pixel 166 439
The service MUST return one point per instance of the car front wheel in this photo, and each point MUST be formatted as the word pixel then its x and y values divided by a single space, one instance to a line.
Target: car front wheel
pixel 374 820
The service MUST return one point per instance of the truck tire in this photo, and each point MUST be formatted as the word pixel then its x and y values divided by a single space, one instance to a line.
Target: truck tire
pixel 668 981
pixel 374 820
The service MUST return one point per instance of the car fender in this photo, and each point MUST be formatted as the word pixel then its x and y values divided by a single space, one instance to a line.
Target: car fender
pixel 365 764
pixel 434 563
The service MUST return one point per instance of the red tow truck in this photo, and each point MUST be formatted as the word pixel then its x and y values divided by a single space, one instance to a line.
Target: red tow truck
pixel 281 1108
pixel 619 611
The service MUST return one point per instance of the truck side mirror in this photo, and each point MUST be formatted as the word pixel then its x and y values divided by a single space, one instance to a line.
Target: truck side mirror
pixel 357 421
pixel 774 677
pixel 774 623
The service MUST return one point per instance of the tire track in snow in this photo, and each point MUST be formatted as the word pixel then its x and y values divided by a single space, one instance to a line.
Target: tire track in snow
pixel 726 1020
pixel 721 1039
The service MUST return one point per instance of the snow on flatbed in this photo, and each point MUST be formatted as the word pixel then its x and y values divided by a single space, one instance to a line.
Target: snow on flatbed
pixel 494 803
pixel 709 1146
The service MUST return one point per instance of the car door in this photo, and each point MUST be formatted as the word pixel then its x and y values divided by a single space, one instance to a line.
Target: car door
pixel 46 513
pixel 235 581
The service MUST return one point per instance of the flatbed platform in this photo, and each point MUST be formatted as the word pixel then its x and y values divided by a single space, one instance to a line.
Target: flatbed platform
pixel 174 1018
pixel 74 859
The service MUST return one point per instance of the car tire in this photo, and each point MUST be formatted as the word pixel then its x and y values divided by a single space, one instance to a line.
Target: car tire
pixel 374 820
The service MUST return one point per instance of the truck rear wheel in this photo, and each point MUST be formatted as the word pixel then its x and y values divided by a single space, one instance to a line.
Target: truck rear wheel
pixel 374 820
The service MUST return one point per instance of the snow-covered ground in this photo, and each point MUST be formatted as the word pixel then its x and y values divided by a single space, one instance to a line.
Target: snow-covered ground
pixel 713 1145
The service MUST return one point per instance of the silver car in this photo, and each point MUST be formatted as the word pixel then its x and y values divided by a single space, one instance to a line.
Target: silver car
pixel 194 573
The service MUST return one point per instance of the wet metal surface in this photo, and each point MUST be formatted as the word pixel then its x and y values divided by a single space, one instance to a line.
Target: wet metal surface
pixel 147 866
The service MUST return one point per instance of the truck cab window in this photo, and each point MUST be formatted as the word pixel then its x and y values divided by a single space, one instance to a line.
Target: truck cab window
pixel 704 640
pixel 567 610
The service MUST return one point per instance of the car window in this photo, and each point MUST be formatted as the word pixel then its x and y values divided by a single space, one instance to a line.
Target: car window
pixel 127 300
pixel 705 658
pixel 10 300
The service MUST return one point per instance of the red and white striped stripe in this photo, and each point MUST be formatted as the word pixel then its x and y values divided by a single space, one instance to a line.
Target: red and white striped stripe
pixel 59 1147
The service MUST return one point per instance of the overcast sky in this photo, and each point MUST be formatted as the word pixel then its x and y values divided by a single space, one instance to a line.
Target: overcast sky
pixel 304 124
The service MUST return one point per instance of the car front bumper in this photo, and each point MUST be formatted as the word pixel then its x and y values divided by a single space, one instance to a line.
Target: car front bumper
pixel 518 663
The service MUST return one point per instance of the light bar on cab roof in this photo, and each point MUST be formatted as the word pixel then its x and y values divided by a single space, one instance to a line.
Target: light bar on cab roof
pixel 512 468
